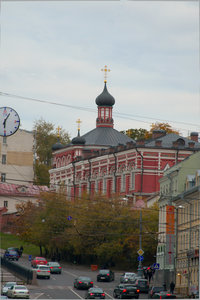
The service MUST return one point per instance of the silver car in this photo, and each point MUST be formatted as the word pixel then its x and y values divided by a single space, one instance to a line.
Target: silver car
pixel 43 271
pixel 7 286
pixel 128 277
pixel 18 291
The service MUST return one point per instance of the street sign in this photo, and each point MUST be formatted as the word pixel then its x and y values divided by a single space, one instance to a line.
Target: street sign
pixel 69 218
pixel 30 257
pixel 140 258
pixel 140 252
pixel 156 266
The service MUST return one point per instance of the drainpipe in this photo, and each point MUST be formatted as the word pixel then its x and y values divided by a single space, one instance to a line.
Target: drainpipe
pixel 142 171
pixel 74 176
pixel 89 178
pixel 115 172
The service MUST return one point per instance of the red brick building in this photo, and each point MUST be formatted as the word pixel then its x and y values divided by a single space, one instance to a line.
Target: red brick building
pixel 108 162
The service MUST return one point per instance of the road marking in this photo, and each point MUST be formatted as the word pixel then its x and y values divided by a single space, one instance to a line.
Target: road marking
pixel 74 275
pixel 76 293
pixel 38 296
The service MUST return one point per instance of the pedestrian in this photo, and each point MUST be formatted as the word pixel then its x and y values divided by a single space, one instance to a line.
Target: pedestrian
pixel 21 250
pixel 172 286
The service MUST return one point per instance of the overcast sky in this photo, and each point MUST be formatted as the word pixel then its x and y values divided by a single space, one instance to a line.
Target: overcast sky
pixel 54 51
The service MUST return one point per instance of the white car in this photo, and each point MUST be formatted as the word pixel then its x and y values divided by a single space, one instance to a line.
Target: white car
pixel 18 291
pixel 128 277
pixel 6 287
pixel 43 271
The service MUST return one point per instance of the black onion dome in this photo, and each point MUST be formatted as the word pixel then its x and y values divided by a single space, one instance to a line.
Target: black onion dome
pixel 78 140
pixel 57 146
pixel 105 99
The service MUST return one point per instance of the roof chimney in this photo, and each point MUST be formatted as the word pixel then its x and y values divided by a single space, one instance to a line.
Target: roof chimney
pixel 158 143
pixel 158 133
pixel 194 136
pixel 191 144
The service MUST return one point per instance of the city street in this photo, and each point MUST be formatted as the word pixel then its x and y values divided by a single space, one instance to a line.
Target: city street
pixel 60 286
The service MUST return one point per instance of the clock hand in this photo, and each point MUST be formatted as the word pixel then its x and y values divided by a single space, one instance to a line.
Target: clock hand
pixel 4 122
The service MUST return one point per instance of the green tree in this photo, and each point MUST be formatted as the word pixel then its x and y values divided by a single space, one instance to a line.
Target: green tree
pixel 45 137
pixel 135 134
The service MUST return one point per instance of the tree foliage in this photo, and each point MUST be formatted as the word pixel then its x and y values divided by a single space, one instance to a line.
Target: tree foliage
pixel 45 137
pixel 163 126
pixel 138 134
pixel 95 230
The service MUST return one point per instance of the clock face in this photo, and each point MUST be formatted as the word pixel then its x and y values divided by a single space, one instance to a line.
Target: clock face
pixel 9 121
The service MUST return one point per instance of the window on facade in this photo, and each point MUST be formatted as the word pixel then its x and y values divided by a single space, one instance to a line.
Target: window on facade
pixel 3 159
pixel 104 185
pixel 132 180
pixel 123 182
pixel 106 112
pixel 5 203
pixel 4 139
pixel 3 177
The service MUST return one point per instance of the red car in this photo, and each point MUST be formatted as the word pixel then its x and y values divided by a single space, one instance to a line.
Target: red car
pixel 38 261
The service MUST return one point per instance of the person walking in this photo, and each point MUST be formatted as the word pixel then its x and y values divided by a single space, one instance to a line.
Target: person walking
pixel 172 286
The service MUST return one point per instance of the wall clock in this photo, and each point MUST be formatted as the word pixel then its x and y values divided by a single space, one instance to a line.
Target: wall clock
pixel 9 121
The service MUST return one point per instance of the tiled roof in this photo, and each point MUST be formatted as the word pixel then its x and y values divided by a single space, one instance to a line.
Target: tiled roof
pixel 105 136
pixel 167 141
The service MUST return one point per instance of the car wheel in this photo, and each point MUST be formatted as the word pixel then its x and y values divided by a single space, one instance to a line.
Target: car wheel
pixel 114 295
pixel 98 279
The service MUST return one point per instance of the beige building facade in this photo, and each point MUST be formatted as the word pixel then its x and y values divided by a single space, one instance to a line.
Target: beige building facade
pixel 16 158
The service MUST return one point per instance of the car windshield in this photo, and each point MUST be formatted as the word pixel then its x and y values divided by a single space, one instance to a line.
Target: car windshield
pixel 129 275
pixel 43 268
pixel 158 288
pixel 129 286
pixel 8 284
pixel 20 287
pixel 104 271
pixel 12 252
pixel 95 290
pixel 142 282
pixel 84 278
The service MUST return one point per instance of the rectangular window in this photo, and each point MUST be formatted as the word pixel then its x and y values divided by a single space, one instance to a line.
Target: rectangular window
pixel 123 182
pixel 107 112
pixel 3 177
pixel 4 140
pixel 132 180
pixel 5 203
pixel 3 159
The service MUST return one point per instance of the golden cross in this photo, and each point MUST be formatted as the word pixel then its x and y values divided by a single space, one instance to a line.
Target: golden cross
pixel 105 70
pixel 79 122
pixel 58 131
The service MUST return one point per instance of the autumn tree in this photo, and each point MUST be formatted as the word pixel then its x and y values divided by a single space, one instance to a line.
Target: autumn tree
pixel 45 137
pixel 157 126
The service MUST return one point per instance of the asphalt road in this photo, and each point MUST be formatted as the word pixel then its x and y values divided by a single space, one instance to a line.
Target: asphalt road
pixel 60 286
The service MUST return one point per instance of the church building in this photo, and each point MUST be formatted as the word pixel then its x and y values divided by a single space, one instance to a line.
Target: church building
pixel 108 162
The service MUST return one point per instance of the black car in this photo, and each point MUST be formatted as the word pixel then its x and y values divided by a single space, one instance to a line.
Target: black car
pixel 83 282
pixel 142 285
pixel 155 289
pixel 105 275
pixel 125 290
pixel 15 249
pixel 93 293
pixel 11 255
pixel 164 295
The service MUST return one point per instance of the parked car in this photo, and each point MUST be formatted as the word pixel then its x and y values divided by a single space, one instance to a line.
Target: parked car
pixel 7 286
pixel 18 291
pixel 38 261
pixel 43 271
pixel 142 285
pixel 105 275
pixel 164 295
pixel 83 282
pixel 128 277
pixel 93 293
pixel 155 289
pixel 126 290
pixel 54 267
pixel 11 255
